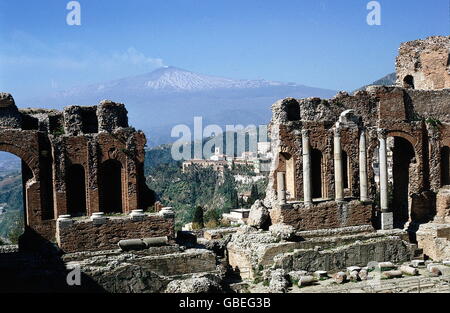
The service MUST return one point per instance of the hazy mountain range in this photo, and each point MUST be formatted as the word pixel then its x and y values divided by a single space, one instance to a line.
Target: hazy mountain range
pixel 168 96
pixel 387 80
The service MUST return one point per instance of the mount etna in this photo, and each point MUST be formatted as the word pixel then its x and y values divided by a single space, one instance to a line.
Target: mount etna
pixel 169 96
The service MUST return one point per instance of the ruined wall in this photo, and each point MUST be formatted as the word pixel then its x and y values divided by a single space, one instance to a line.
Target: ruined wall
pixel 418 120
pixel 51 143
pixel 87 235
pixel 324 215
pixel 426 62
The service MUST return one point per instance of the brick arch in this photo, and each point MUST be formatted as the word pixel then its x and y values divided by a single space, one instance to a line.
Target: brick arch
pixel 28 157
pixel 287 163
pixel 115 153
pixel 319 188
pixel 446 142
pixel 112 186
pixel 411 139
pixel 398 133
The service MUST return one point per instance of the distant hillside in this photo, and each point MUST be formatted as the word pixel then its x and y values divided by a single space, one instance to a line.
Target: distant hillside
pixel 387 80
pixel 168 96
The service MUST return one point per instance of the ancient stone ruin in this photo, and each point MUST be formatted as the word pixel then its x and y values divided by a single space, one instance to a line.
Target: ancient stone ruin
pixel 340 159
pixel 359 190
pixel 75 163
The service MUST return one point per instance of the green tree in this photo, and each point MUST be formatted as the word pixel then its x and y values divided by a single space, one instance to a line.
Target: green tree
pixel 197 220
pixel 212 218
pixel 254 195
pixel 235 199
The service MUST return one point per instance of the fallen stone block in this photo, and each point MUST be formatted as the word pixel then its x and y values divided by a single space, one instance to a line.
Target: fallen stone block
pixel 278 282
pixel 386 266
pixel 259 216
pixel 353 276
pixel 321 275
pixel 363 274
pixel 282 231
pixel 132 244
pixel 435 271
pixel 156 241
pixel 430 265
pixel 340 277
pixel 418 263
pixel 306 281
pixel 296 275
pixel 392 274
pixel 409 270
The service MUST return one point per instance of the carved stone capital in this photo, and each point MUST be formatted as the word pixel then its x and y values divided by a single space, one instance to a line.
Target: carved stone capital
pixel 382 133
pixel 337 132
pixel 305 133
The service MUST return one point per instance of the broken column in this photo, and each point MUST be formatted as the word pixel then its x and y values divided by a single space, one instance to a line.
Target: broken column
pixel 306 167
pixel 363 194
pixel 281 188
pixel 386 215
pixel 338 169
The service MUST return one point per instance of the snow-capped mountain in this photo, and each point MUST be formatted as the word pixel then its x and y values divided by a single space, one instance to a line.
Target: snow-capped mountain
pixel 172 79
pixel 168 96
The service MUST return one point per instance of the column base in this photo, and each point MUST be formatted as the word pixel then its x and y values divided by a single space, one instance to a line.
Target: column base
pixel 387 220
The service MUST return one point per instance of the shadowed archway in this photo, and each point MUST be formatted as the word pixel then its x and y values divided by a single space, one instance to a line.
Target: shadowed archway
pixel 110 185
pixel 76 190
pixel 403 157
pixel 317 174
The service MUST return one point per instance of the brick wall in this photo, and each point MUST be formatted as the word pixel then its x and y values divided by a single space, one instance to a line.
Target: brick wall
pixel 84 235
pixel 325 215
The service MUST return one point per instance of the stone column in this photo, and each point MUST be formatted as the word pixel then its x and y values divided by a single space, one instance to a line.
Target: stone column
pixel 281 187
pixel 306 167
pixel 338 169
pixel 363 194
pixel 386 216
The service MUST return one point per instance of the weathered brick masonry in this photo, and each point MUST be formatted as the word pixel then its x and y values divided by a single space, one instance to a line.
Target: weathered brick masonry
pixel 78 162
pixel 377 157
pixel 87 235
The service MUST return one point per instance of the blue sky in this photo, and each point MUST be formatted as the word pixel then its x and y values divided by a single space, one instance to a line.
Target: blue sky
pixel 323 43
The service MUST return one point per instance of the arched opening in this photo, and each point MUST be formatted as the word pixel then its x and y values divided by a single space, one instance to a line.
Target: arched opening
pixel 316 174
pixel 110 185
pixel 345 168
pixel 403 157
pixel 408 82
pixel 445 166
pixel 293 111
pixel 76 190
pixel 14 174
pixel 288 166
